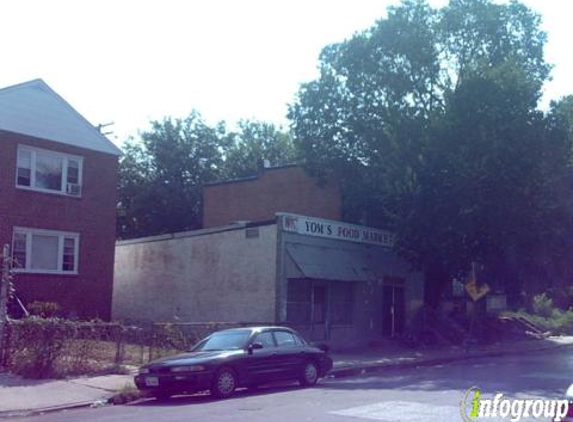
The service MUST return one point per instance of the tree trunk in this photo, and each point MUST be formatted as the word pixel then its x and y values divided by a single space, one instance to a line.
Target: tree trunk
pixel 436 281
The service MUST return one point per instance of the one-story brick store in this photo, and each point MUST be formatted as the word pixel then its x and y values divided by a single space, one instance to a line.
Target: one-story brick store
pixel 331 280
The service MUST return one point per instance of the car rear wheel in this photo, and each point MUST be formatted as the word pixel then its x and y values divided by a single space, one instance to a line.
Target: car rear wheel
pixel 309 374
pixel 224 383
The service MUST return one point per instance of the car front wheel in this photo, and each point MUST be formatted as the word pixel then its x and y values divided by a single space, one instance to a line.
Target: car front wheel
pixel 224 383
pixel 309 374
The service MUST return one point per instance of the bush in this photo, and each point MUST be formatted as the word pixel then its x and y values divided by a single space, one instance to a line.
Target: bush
pixel 41 342
pixel 547 317
pixel 543 305
pixel 562 321
pixel 44 309
pixel 53 347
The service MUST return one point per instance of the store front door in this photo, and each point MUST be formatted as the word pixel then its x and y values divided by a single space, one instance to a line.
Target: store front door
pixel 393 306
pixel 319 312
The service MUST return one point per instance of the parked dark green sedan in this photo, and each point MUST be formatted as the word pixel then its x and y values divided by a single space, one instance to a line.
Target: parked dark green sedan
pixel 240 357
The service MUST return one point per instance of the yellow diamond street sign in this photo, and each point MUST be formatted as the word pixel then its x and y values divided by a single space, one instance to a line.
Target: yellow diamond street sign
pixel 476 292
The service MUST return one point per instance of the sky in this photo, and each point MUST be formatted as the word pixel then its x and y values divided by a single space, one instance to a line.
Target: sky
pixel 130 62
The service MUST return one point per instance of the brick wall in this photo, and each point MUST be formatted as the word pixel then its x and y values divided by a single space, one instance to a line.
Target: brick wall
pixel 281 189
pixel 87 294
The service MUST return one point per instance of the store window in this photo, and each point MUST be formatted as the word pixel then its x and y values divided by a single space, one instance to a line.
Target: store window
pixel 342 302
pixel 299 294
pixel 320 302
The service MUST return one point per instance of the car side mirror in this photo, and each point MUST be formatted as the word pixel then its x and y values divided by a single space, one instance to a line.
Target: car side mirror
pixel 254 346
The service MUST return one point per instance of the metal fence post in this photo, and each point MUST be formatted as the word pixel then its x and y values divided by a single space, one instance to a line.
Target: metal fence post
pixel 4 279
pixel 119 346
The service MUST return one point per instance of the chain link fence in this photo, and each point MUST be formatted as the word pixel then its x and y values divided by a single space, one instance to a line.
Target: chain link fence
pixel 53 347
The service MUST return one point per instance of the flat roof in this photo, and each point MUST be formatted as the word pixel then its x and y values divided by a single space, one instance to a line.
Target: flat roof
pixel 251 178
pixel 198 232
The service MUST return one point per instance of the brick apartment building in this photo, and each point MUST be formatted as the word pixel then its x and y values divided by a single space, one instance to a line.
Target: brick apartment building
pixel 58 179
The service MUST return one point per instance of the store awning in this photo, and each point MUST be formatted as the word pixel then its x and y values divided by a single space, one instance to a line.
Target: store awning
pixel 332 264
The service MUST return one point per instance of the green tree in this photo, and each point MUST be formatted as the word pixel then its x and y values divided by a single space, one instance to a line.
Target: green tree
pixel 162 174
pixel 429 119
pixel 254 142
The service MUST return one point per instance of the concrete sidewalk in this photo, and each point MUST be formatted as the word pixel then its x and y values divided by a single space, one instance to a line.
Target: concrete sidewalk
pixel 24 396
pixel 349 364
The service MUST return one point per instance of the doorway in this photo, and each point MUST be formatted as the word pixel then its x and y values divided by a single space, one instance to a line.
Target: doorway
pixel 393 306
pixel 319 312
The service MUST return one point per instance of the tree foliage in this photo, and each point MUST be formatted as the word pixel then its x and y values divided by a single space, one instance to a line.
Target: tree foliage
pixel 252 144
pixel 162 174
pixel 430 120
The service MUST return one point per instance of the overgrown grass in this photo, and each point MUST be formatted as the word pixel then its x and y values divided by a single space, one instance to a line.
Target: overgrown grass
pixel 547 317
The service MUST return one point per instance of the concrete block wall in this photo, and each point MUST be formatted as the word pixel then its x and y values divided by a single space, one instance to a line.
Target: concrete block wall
pixel 219 275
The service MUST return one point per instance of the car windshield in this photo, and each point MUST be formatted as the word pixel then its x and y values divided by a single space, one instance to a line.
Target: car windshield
pixel 223 341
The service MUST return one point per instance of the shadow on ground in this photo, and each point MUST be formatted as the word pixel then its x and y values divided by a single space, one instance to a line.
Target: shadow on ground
pixel 205 397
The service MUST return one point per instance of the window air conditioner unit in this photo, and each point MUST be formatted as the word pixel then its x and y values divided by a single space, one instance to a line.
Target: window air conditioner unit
pixel 74 189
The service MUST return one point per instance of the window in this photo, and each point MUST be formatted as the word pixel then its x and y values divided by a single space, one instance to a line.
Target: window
pixel 45 251
pixel 48 171
pixel 311 302
pixel 230 340
pixel 342 302
pixel 24 172
pixel 266 339
pixel 299 306
pixel 285 339
pixel 19 250
pixel 318 304
pixel 299 340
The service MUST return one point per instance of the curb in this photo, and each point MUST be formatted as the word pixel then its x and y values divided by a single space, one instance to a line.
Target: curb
pixel 33 412
pixel 372 368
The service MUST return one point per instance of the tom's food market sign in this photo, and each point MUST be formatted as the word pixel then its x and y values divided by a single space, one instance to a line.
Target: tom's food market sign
pixel 335 230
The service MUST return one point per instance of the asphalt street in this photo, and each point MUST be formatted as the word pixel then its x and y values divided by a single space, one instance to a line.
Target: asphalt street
pixel 426 394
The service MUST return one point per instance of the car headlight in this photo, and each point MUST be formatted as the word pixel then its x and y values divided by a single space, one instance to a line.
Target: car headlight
pixel 189 368
pixel 143 370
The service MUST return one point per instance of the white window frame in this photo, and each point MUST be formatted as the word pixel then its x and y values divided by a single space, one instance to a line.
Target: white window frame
pixel 65 157
pixel 29 232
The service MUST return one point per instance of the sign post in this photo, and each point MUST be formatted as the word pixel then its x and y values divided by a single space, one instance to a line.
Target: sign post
pixel 476 293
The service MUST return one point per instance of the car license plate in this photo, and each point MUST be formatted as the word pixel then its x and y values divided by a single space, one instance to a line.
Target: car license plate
pixel 152 381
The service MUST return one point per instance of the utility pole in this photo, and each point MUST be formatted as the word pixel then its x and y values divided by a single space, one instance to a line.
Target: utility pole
pixel 4 281
pixel 100 127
